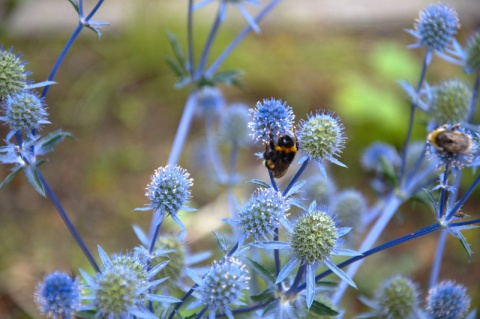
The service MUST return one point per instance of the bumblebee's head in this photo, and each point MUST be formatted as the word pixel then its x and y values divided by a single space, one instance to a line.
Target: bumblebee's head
pixel 286 141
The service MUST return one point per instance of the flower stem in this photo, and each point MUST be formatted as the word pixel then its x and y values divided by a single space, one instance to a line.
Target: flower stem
pixel 412 112
pixel 216 64
pixel 67 222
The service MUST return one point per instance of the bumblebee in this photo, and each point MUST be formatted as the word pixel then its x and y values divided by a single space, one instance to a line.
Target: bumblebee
pixel 451 140
pixel 280 153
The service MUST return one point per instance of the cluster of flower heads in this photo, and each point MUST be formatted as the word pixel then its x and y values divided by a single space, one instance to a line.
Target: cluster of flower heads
pixel 321 135
pixel 23 110
pixel 398 297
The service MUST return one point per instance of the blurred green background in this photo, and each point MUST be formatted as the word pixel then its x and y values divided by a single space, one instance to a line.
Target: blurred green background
pixel 116 96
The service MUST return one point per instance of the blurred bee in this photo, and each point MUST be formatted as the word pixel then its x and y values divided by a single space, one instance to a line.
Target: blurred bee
pixel 280 153
pixel 451 140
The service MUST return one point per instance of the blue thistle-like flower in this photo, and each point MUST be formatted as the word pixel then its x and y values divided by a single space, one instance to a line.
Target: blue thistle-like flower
pixel 24 112
pixel 436 26
pixel 448 300
pixel 271 116
pixel 13 77
pixel 171 248
pixel 350 206
pixel 234 124
pixel 452 145
pixel 58 296
pixel 314 239
pixel 168 191
pixel 319 189
pixel 210 101
pixel 261 214
pixel 221 286
pixel 450 102
pixel 122 288
pixel 472 61
pixel 322 138
pixel 396 298
pixel 378 155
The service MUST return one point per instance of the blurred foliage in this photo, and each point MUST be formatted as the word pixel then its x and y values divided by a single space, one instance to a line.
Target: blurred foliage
pixel 116 96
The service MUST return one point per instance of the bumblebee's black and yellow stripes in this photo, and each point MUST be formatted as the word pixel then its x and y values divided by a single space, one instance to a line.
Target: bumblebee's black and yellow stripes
pixel 280 153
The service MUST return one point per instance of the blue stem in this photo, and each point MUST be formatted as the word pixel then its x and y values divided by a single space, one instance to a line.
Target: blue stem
pixel 200 314
pixel 412 112
pixel 417 165
pixel 296 283
pixel 216 64
pixel 190 66
pixel 443 192
pixel 183 128
pixel 462 200
pixel 155 234
pixel 67 222
pixel 295 177
pixel 438 258
pixel 422 232
pixel 67 47
pixel 208 44
pixel 212 150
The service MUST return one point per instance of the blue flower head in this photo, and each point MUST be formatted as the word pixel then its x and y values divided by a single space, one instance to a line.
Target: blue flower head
pixel 449 102
pixel 448 300
pixel 377 155
pixel 321 137
pixel 24 111
pixel 452 145
pixel 473 54
pixel 397 298
pixel 350 206
pixel 210 101
pixel 13 77
pixel 319 189
pixel 234 124
pixel 58 296
pixel 169 190
pixel 436 26
pixel 271 116
pixel 314 239
pixel 223 285
pixel 262 213
pixel 122 288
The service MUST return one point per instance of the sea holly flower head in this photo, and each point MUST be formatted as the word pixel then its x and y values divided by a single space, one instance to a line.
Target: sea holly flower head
pixel 319 189
pixel 396 298
pixel 13 77
pixel 24 111
pixel 210 101
pixel 436 27
pixel 322 138
pixel 378 155
pixel 122 288
pixel 448 300
pixel 58 296
pixel 449 102
pixel 271 117
pixel 314 239
pixel 452 145
pixel 351 207
pixel 234 124
pixel 223 285
pixel 472 63
pixel 169 191
pixel 261 214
